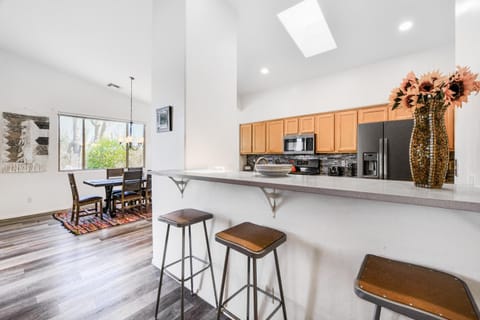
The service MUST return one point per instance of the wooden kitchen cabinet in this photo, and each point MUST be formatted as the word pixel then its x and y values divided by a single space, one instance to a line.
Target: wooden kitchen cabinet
pixel 450 124
pixel 275 136
pixel 246 138
pixel 325 132
pixel 346 131
pixel 306 124
pixel 291 126
pixel 374 114
pixel 400 114
pixel 258 137
pixel 335 132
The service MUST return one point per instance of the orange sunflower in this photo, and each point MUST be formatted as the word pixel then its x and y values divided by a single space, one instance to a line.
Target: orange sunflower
pixel 431 82
pixel 408 82
pixel 461 84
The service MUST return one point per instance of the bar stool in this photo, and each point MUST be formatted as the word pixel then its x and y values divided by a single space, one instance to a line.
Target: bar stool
pixel 417 292
pixel 255 242
pixel 181 219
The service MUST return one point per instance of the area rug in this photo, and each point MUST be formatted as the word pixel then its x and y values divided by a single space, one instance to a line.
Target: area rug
pixel 93 223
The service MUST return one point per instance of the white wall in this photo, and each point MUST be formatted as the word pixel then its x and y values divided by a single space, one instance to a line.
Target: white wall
pixel 34 89
pixel 194 70
pixel 168 81
pixel 362 86
pixel 467 130
pixel 211 82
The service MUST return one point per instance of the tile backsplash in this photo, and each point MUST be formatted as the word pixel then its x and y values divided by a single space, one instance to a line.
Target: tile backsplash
pixel 326 160
pixel 336 159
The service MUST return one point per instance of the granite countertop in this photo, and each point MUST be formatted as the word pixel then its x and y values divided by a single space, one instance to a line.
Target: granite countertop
pixel 451 196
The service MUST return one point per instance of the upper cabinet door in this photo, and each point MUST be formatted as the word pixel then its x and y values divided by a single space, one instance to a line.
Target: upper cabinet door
pixel 306 124
pixel 291 126
pixel 246 138
pixel 346 131
pixel 275 136
pixel 259 138
pixel 450 124
pixel 325 132
pixel 374 114
pixel 400 114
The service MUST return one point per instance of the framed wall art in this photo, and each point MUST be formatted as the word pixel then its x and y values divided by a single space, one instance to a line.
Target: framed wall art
pixel 164 119
pixel 25 143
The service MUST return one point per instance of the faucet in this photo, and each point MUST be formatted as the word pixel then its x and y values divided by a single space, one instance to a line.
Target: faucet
pixel 258 161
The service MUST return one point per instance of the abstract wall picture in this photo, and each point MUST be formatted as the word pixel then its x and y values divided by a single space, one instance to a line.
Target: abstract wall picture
pixel 164 119
pixel 24 146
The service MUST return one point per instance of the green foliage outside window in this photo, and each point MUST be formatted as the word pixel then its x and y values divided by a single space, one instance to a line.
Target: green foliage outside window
pixel 106 153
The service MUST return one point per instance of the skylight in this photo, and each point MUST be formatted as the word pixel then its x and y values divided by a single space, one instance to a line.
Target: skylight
pixel 308 28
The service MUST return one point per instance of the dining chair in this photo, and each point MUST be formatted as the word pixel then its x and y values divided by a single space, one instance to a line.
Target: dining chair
pixel 131 194
pixel 147 192
pixel 78 202
pixel 111 174
pixel 114 173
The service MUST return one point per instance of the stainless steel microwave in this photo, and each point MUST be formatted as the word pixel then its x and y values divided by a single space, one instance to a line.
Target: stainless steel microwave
pixel 299 144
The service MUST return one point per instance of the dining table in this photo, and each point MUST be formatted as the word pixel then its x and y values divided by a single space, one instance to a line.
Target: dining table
pixel 108 184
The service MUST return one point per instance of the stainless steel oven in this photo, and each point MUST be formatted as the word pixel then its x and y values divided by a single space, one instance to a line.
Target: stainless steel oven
pixel 299 144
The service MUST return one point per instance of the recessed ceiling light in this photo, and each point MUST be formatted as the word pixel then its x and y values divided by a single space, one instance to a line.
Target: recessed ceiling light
pixel 264 71
pixel 308 28
pixel 405 26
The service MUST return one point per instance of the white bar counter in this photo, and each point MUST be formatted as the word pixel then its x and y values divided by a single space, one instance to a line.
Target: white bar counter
pixel 331 223
pixel 449 197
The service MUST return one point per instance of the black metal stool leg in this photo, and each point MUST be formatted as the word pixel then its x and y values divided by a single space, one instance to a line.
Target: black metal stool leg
pixel 182 280
pixel 284 309
pixel 222 288
pixel 161 271
pixel 248 288
pixel 378 309
pixel 255 298
pixel 191 259
pixel 211 264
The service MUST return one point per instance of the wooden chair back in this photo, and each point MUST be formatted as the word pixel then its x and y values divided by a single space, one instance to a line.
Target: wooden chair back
pixel 132 181
pixel 73 187
pixel 114 173
pixel 148 187
pixel 135 169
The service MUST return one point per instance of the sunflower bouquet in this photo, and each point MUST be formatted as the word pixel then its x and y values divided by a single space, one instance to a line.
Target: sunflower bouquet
pixel 449 90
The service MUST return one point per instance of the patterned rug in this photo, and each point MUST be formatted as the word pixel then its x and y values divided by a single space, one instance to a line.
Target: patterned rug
pixel 93 223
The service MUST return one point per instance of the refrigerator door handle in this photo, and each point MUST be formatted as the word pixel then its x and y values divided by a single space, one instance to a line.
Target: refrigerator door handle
pixel 385 158
pixel 380 158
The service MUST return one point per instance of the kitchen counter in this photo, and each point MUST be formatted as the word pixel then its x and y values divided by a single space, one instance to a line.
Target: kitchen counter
pixel 331 224
pixel 449 197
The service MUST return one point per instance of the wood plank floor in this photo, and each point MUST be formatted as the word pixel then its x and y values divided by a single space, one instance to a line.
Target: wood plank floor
pixel 48 273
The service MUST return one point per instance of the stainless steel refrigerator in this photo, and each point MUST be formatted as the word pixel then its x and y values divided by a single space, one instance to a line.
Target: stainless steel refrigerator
pixel 383 150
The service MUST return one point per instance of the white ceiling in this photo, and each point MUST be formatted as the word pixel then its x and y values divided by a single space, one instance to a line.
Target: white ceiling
pixel 365 32
pixel 107 40
pixel 101 41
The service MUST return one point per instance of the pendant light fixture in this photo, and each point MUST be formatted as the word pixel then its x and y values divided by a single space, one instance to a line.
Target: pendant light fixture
pixel 130 141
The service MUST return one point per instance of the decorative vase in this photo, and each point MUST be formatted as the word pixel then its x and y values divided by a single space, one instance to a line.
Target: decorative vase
pixel 429 145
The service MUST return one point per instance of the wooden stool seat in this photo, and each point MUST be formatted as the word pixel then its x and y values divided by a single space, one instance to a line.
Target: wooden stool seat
pixel 185 217
pixel 255 242
pixel 250 239
pixel 415 291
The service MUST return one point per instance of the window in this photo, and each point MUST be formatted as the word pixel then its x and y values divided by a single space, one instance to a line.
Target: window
pixel 89 143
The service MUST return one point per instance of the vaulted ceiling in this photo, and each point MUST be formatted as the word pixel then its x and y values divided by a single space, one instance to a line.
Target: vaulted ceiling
pixel 108 40
pixel 365 31
pixel 101 41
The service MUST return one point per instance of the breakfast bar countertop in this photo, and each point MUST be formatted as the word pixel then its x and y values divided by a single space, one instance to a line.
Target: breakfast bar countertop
pixel 457 197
